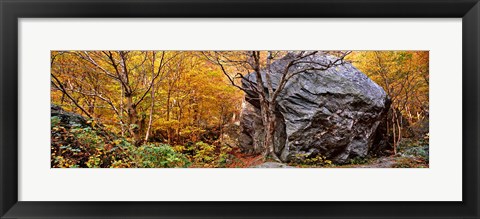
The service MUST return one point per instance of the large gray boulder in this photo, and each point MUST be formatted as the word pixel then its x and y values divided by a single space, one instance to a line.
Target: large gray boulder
pixel 333 113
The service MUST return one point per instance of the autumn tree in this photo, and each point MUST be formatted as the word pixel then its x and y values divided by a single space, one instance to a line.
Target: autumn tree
pixel 197 97
pixel 142 94
pixel 93 74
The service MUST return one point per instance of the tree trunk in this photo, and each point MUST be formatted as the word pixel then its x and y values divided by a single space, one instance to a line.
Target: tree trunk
pixel 268 120
pixel 152 95
pixel 179 119
pixel 122 125
pixel 169 129
pixel 269 139
pixel 150 119
pixel 134 126
pixel 394 125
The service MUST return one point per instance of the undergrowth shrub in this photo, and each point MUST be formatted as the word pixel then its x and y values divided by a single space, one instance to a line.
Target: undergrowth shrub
pixel 359 160
pixel 158 156
pixel 208 155
pixel 418 148
pixel 304 160
pixel 84 147
pixel 80 146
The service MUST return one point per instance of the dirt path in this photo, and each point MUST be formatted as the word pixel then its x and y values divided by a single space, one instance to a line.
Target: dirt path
pixel 383 162
pixel 242 160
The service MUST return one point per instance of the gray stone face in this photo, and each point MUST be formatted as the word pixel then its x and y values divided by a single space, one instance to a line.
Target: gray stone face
pixel 250 139
pixel 333 113
pixel 252 131
pixel 67 119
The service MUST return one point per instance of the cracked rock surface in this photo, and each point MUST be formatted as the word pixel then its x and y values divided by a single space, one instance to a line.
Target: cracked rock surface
pixel 333 114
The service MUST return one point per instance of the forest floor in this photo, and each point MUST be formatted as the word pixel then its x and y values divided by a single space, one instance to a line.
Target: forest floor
pixel 242 160
pixel 391 162
pixel 77 143
pixel 382 162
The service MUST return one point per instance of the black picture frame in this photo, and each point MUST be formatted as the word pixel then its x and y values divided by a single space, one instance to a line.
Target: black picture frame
pixel 11 11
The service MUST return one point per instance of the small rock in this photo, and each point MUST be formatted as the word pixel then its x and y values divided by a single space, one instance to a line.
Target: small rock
pixel 67 119
pixel 272 165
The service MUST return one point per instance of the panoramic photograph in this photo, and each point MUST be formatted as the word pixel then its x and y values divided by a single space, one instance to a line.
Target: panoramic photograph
pixel 239 109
